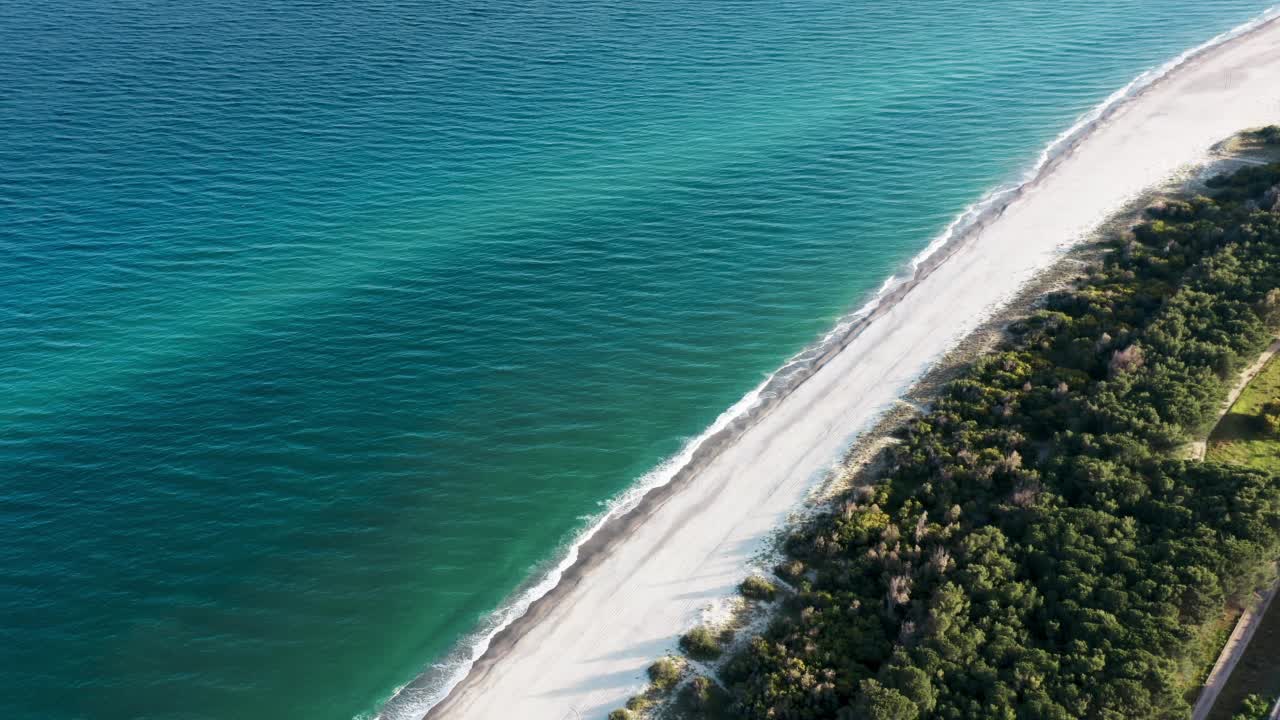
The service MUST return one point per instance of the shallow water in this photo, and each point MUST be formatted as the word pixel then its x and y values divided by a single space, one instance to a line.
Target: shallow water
pixel 325 325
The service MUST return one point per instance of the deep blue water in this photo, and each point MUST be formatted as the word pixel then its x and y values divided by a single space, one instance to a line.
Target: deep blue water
pixel 324 325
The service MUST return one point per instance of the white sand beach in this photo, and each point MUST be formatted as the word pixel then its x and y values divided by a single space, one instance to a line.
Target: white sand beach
pixel 583 649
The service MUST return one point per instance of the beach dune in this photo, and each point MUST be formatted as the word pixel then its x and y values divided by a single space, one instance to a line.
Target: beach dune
pixel 645 578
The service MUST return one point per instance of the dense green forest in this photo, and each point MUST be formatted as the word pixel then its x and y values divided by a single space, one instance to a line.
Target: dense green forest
pixel 1035 548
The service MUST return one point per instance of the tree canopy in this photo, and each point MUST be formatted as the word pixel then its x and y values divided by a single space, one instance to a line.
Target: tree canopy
pixel 1036 549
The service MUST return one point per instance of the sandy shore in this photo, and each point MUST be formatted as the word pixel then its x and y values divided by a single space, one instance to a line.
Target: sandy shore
pixel 582 649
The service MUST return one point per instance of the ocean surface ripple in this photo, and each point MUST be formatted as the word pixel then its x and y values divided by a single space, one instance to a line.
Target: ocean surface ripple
pixel 328 326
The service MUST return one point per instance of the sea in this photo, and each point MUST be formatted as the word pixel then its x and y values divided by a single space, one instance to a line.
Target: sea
pixel 328 329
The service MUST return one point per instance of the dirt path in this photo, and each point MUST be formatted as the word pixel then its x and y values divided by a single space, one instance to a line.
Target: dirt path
pixel 1199 447
pixel 1231 654
pixel 1252 617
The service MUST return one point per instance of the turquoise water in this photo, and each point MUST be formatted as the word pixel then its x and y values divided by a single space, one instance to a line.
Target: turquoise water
pixel 327 325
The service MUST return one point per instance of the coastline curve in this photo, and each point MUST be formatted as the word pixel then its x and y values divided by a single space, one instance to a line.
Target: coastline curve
pixel 476 654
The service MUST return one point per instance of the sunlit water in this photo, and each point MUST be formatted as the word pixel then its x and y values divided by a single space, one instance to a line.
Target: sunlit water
pixel 324 326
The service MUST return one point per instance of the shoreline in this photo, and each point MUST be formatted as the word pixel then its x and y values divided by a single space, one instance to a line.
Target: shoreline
pixel 814 377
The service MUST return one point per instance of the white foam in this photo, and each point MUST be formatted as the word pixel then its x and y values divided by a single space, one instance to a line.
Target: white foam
pixel 412 701
pixel 1002 195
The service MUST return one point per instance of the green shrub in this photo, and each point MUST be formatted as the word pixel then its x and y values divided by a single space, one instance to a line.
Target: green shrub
pixel 758 588
pixel 665 673
pixel 1269 418
pixel 792 571
pixel 622 714
pixel 1254 707
pixel 704 699
pixel 701 643
pixel 878 702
